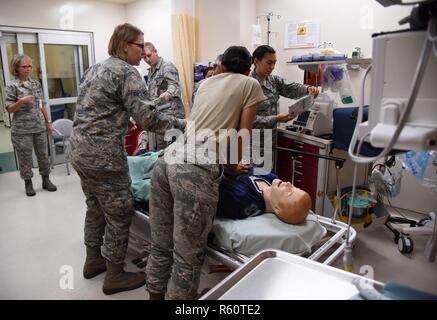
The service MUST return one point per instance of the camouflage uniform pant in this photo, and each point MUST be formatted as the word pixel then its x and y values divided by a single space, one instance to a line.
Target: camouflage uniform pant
pixel 23 144
pixel 183 204
pixel 110 207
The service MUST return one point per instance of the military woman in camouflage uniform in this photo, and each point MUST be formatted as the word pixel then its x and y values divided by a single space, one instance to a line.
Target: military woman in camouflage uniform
pixel 163 84
pixel 30 122
pixel 110 93
pixel 267 116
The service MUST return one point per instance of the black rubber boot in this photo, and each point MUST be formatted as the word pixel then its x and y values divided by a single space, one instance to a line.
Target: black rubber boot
pixel 95 264
pixel 47 184
pixel 117 280
pixel 29 188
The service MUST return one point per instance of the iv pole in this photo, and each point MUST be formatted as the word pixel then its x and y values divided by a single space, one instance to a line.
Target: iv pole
pixel 268 17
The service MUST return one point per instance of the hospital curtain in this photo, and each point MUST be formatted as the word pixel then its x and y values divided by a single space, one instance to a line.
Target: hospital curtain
pixel 184 53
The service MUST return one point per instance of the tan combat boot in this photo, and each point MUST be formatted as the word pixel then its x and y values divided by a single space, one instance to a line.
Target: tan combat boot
pixel 117 280
pixel 95 264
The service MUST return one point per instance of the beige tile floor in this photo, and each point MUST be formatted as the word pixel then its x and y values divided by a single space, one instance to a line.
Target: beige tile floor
pixel 39 235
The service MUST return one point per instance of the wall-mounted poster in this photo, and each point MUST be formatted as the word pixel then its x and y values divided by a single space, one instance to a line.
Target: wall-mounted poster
pixel 303 34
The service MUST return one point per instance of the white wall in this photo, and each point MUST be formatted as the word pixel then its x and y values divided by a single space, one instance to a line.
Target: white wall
pixel 218 27
pixel 347 24
pixel 247 19
pixel 187 7
pixel 153 17
pixel 97 17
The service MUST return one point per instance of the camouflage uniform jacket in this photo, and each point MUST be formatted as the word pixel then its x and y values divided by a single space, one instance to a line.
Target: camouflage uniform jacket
pixel 110 93
pixel 164 77
pixel 28 118
pixel 274 87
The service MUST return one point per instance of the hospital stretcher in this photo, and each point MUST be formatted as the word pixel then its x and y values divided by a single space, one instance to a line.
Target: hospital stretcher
pixel 326 251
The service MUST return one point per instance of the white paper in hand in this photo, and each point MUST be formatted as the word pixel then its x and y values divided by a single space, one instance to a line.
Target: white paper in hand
pixel 301 105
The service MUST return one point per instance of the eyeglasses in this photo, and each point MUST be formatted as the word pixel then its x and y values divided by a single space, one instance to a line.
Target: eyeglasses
pixel 26 66
pixel 139 45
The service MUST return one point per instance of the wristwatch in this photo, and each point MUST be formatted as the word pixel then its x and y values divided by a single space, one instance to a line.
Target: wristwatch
pixel 48 121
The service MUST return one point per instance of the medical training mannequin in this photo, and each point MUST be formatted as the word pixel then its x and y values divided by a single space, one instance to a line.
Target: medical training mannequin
pixel 239 196
pixel 289 203
pixel 250 195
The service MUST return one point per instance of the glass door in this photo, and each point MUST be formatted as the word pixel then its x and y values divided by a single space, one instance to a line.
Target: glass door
pixel 8 48
pixel 28 44
pixel 63 75
pixel 7 155
pixel 65 60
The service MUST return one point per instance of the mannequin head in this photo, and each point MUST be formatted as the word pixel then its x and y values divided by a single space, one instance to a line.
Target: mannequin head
pixel 290 204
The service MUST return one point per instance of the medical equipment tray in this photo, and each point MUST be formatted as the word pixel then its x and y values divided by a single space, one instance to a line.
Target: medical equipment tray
pixel 278 275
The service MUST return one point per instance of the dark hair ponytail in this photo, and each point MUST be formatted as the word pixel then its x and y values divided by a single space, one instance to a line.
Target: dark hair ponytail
pixel 261 51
